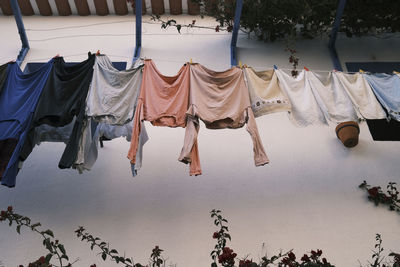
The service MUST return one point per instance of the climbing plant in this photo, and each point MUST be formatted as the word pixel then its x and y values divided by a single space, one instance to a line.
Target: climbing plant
pixel 271 20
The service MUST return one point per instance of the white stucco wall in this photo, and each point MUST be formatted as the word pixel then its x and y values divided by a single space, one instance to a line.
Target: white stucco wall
pixel 306 198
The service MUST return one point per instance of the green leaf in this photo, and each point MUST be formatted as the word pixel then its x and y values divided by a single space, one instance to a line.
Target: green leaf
pixel 35 225
pixel 113 251
pixel 64 257
pixel 62 249
pixel 19 229
pixel 48 257
pixel 178 27
pixel 104 256
pixel 48 232
pixel 48 245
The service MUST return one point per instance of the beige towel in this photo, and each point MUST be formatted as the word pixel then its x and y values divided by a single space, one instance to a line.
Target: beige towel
pixel 265 94
pixel 220 100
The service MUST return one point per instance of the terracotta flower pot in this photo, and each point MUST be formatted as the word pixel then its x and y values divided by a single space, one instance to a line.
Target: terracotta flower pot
pixel 348 133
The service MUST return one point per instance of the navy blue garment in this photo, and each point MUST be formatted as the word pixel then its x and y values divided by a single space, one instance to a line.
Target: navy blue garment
pixel 3 75
pixel 62 99
pixel 18 100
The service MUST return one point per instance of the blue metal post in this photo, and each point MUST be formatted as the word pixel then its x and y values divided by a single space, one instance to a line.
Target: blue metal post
pixel 21 30
pixel 138 10
pixel 235 30
pixel 332 39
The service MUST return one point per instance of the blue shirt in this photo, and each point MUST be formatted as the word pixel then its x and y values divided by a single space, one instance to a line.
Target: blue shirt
pixel 387 90
pixel 18 101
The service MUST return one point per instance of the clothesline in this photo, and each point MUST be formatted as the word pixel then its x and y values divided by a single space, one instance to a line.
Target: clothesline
pixel 180 61
pixel 93 99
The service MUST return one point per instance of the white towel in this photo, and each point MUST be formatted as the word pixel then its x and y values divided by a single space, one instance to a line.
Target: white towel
pixel 331 97
pixel 361 95
pixel 305 109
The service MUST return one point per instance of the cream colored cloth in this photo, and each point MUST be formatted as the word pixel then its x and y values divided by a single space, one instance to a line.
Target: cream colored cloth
pixel 220 100
pixel 331 97
pixel 361 95
pixel 265 94
pixel 305 109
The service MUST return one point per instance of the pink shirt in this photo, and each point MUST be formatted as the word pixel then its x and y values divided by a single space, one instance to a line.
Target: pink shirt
pixel 163 101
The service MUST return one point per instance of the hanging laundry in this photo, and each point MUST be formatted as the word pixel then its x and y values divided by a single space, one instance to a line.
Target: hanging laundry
pixel 305 109
pixel 18 101
pixel 88 155
pixel 47 133
pixel 163 101
pixel 113 94
pixel 331 97
pixel 3 75
pixel 110 104
pixel 360 93
pixel 265 94
pixel 221 100
pixel 63 98
pixel 387 90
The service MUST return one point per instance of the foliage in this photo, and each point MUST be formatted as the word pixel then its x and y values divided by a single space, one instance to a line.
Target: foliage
pixel 270 20
pixel 371 17
pixel 55 249
pixel 226 256
pixel 105 250
pixel 221 253
pixel 376 195
pixel 378 258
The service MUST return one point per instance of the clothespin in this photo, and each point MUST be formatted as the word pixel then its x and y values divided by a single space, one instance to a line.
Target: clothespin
pixel 191 61
pixel 361 71
pixel 275 67
pixel 56 56
pixel 98 53
pixel 240 64
pixel 306 68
